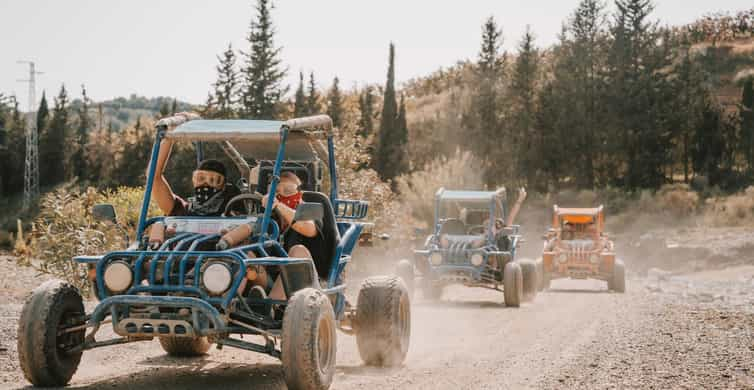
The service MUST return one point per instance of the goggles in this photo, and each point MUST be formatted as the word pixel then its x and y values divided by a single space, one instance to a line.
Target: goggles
pixel 207 178
pixel 285 188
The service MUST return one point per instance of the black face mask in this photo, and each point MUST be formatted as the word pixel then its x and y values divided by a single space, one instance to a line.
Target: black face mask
pixel 207 201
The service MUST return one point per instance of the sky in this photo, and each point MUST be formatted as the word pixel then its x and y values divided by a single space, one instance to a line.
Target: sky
pixel 169 47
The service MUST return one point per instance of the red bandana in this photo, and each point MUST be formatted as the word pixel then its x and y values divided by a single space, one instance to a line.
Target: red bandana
pixel 291 201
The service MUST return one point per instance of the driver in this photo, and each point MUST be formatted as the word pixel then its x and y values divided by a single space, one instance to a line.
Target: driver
pixel 211 191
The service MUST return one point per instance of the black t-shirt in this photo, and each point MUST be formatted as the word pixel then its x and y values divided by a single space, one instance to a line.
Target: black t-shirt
pixel 181 206
pixel 315 245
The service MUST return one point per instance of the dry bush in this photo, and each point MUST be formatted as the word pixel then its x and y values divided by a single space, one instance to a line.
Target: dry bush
pixel 65 228
pixel 460 171
pixel 733 210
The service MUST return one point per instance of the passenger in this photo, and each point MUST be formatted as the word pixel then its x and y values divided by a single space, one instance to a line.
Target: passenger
pixel 302 239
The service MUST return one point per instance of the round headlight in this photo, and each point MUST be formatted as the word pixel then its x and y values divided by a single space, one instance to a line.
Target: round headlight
pixel 562 257
pixel 477 259
pixel 118 276
pixel 594 258
pixel 216 278
pixel 435 258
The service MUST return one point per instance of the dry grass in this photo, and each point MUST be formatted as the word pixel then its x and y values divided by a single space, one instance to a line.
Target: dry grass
pixel 733 210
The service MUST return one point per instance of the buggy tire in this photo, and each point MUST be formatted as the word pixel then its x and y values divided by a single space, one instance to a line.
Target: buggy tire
pixel 513 284
pixel 383 315
pixel 405 271
pixel 43 362
pixel 185 346
pixel 531 280
pixel 540 274
pixel 308 342
pixel 618 278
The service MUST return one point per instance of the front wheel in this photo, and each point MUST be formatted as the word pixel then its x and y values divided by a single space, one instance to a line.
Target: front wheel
pixel 42 354
pixel 618 279
pixel 513 284
pixel 383 315
pixel 309 341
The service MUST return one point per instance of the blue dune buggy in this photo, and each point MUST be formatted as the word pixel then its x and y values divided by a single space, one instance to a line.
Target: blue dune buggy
pixel 473 243
pixel 189 294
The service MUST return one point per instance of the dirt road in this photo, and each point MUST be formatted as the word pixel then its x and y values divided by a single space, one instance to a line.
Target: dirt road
pixel 575 336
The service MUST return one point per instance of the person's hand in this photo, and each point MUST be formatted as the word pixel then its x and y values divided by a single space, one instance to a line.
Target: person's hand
pixel 264 201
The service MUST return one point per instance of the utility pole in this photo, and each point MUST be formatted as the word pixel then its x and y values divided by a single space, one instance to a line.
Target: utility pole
pixel 31 164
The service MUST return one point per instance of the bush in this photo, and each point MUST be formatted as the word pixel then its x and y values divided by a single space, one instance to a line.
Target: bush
pixel 734 210
pixel 65 228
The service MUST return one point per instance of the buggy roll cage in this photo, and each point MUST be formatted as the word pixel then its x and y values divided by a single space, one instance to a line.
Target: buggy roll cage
pixel 190 127
pixel 495 198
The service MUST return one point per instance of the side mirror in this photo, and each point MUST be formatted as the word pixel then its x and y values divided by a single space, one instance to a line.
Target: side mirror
pixel 309 211
pixel 105 213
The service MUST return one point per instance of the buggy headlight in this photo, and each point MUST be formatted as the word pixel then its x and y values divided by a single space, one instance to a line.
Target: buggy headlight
pixel 216 278
pixel 435 258
pixel 477 259
pixel 594 258
pixel 118 276
pixel 562 258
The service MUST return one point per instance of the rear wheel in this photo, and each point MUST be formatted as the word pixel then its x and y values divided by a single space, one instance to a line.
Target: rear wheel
pixel 618 281
pixel 309 341
pixel 41 347
pixel 383 315
pixel 185 346
pixel 530 279
pixel 405 271
pixel 513 281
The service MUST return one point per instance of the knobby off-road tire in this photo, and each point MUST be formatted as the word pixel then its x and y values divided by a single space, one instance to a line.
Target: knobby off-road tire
pixel 405 271
pixel 185 346
pixel 383 314
pixel 308 341
pixel 540 274
pixel 530 278
pixel 617 282
pixel 513 284
pixel 42 360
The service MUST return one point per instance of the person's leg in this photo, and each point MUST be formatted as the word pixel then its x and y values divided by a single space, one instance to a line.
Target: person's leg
pixel 298 251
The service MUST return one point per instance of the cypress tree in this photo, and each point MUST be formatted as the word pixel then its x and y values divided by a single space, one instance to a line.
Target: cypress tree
pixel 388 149
pixel 174 107
pixel 226 87
pixel 312 99
pixel 366 112
pixel 43 114
pixel 52 149
pixel 299 102
pixel 335 104
pixel 263 73
pixel 401 138
pixel 81 139
pixel 747 123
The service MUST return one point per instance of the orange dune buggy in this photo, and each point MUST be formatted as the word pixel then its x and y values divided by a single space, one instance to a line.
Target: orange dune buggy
pixel 577 247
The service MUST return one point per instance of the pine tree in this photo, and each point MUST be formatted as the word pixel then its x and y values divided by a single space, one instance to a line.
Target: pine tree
pixel 299 102
pixel 226 86
pixel 366 112
pixel 523 92
pixel 482 118
pixel 53 162
pixel 81 139
pixel 388 152
pixel 164 110
pixel 335 104
pixel 313 106
pixel 263 73
pixel 13 165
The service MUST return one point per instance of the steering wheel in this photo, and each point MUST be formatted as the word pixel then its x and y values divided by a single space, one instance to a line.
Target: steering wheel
pixel 251 201
pixel 477 229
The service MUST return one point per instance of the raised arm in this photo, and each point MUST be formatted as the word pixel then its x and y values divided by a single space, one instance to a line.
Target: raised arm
pixel 161 191
pixel 516 207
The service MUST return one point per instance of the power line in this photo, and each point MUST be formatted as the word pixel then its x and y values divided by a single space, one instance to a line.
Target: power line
pixel 31 163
